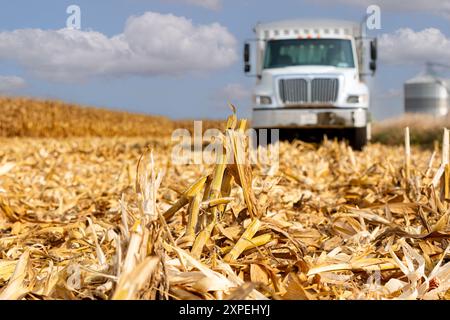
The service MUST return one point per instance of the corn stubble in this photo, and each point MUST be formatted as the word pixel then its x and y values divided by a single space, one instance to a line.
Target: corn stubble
pixel 111 218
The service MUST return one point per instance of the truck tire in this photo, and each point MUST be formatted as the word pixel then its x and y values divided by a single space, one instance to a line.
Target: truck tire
pixel 358 138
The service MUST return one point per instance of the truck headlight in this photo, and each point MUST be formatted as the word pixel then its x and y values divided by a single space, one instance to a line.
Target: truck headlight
pixel 357 99
pixel 264 100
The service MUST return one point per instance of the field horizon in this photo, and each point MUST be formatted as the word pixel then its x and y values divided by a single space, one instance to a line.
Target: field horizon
pixel 31 117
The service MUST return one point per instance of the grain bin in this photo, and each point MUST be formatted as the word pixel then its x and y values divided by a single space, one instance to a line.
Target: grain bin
pixel 428 94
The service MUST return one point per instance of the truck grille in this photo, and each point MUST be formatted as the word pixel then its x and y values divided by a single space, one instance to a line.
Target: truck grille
pixel 324 90
pixel 300 91
pixel 294 90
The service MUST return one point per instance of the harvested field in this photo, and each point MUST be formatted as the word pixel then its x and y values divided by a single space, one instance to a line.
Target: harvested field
pixel 425 130
pixel 23 117
pixel 113 218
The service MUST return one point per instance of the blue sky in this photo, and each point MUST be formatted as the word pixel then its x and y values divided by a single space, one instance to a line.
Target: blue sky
pixel 35 61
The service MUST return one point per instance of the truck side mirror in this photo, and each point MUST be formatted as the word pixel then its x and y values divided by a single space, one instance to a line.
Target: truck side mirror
pixel 374 49
pixel 373 66
pixel 247 66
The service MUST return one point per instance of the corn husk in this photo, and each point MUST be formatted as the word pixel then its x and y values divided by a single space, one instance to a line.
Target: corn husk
pixel 110 217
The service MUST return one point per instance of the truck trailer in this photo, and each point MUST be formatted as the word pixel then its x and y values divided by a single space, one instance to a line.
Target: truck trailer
pixel 311 79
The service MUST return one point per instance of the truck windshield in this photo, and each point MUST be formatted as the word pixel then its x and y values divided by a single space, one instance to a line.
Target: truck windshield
pixel 303 52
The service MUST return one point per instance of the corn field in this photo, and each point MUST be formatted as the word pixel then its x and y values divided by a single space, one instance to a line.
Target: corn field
pixel 91 207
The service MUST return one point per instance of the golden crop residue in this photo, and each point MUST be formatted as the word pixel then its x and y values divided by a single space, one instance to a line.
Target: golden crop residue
pixel 113 218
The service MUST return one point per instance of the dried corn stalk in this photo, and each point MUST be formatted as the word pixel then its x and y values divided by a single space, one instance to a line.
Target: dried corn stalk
pixel 334 222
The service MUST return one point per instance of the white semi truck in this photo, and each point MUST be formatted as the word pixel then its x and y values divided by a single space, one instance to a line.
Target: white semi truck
pixel 311 79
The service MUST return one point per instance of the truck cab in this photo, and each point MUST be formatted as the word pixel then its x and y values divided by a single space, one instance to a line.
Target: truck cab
pixel 310 79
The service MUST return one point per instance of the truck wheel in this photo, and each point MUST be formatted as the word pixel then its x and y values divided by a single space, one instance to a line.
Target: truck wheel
pixel 358 138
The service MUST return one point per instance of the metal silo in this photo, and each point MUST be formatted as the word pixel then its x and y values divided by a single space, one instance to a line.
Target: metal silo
pixel 428 94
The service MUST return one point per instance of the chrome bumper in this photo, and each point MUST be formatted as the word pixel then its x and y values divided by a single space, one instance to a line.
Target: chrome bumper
pixel 309 118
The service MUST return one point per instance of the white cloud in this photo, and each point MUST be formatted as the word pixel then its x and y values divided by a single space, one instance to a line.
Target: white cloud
pixel 151 44
pixel 440 7
pixel 209 4
pixel 406 46
pixel 11 83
